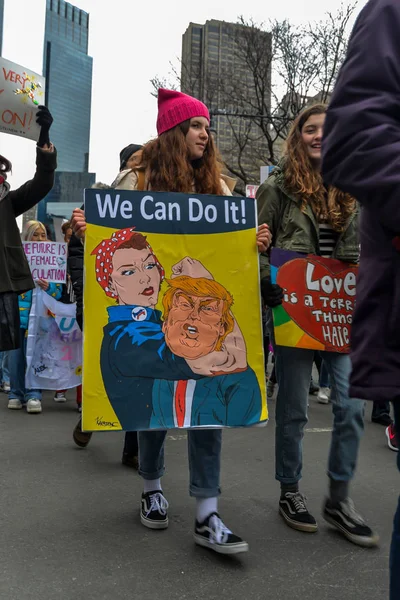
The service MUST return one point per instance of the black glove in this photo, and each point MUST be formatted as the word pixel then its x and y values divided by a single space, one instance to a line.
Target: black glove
pixel 44 119
pixel 271 293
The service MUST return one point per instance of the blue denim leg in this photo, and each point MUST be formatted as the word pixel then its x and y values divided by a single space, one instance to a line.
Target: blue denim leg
pixel 151 454
pixel 6 371
pixel 16 365
pixel 293 372
pixel 324 376
pixel 395 546
pixel 348 419
pixel 204 450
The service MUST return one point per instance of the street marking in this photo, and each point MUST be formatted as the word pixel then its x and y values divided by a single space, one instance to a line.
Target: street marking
pixel 319 430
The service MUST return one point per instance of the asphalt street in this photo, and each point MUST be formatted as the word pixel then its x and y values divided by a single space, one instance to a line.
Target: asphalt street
pixel 70 518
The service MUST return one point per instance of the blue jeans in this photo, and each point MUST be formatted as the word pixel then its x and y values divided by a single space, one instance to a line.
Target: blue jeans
pixel 293 369
pixel 395 547
pixel 4 372
pixel 17 367
pixel 324 376
pixel 204 450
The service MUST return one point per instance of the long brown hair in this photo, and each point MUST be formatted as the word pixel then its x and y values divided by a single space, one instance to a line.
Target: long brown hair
pixel 305 182
pixel 169 168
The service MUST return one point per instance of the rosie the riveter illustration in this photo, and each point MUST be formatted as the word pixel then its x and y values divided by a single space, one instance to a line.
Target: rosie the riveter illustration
pixel 189 369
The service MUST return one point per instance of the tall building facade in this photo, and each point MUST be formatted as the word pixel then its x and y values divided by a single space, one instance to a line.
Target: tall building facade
pixel 68 71
pixel 215 70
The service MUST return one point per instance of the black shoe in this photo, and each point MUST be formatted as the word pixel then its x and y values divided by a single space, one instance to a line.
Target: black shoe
pixel 81 438
pixel 213 534
pixel 154 511
pixel 314 389
pixel 293 508
pixel 130 461
pixel 344 517
pixel 383 419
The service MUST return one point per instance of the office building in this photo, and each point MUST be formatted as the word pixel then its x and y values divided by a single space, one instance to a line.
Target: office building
pixel 68 71
pixel 212 62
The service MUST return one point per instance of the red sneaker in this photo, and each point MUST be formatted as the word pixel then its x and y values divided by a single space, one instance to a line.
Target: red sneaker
pixel 392 438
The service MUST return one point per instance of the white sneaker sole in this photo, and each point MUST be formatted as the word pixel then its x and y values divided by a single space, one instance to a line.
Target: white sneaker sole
pixel 60 400
pixel 35 410
pixel 221 548
pixel 150 524
pixel 359 540
pixel 15 407
pixel 389 442
pixel 305 527
pixel 322 400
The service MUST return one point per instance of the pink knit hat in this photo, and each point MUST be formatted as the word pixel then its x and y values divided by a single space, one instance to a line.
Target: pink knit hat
pixel 175 107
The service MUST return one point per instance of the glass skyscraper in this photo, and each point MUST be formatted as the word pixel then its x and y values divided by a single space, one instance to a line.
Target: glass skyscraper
pixel 68 71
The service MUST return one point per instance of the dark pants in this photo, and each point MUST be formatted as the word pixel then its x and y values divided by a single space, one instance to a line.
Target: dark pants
pixel 131 446
pixel 395 548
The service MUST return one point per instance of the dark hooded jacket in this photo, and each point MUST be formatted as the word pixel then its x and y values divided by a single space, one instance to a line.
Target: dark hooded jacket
pixel 361 155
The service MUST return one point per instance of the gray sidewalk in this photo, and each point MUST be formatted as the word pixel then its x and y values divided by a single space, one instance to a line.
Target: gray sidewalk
pixel 70 518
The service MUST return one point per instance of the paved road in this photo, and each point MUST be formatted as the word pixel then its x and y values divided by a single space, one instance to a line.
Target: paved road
pixel 70 527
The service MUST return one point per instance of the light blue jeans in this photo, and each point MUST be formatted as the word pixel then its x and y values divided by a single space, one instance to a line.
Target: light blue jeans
pixel 4 372
pixel 204 451
pixel 293 370
pixel 17 367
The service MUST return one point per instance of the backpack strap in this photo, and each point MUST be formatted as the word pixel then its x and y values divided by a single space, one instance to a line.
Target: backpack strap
pixel 140 180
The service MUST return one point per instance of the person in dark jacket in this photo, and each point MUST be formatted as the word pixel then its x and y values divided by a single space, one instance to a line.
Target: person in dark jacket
pixel 361 152
pixel 15 275
pixel 75 266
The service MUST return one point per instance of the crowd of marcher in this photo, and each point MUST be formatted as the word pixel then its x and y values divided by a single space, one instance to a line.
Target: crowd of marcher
pixel 333 194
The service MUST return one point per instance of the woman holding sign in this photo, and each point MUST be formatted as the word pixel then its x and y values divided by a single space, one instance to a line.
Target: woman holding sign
pixel 183 158
pixel 307 217
pixel 19 396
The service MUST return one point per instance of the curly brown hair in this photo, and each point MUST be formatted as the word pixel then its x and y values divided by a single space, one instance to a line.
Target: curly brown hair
pixel 305 182
pixel 168 166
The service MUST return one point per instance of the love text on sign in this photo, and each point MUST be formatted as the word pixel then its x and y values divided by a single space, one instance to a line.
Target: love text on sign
pixel 319 299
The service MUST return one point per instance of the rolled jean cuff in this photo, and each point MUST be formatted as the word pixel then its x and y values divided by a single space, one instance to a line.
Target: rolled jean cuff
pixel 196 492
pixel 150 476
pixel 288 480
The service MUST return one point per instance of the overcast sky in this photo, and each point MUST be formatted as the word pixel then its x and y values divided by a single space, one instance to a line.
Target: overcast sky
pixel 130 42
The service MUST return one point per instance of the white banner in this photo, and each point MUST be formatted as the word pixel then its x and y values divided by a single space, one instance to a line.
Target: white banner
pixel 54 345
pixel 47 260
pixel 21 92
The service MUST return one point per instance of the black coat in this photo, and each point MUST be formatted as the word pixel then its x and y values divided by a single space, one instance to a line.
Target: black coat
pixel 361 150
pixel 15 275
pixel 75 269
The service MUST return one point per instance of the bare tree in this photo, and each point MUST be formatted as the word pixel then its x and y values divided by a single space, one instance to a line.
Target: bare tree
pixel 274 72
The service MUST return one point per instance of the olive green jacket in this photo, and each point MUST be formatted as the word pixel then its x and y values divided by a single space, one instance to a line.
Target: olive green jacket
pixel 295 230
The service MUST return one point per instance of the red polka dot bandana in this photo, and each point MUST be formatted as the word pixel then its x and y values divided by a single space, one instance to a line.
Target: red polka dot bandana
pixel 104 253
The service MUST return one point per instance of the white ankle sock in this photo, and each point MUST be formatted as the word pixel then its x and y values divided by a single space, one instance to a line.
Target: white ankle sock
pixel 204 507
pixel 151 485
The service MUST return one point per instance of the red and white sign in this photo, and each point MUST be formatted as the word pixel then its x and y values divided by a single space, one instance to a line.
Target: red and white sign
pixel 251 191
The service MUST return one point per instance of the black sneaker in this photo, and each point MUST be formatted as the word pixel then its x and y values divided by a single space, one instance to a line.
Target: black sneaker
pixel 293 508
pixel 213 534
pixel 344 517
pixel 154 511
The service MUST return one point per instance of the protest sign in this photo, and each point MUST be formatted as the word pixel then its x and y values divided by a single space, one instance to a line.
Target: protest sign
pixel 21 92
pixel 318 304
pixel 54 345
pixel 47 260
pixel 172 328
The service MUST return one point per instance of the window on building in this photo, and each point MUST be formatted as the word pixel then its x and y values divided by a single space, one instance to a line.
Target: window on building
pixel 213 29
